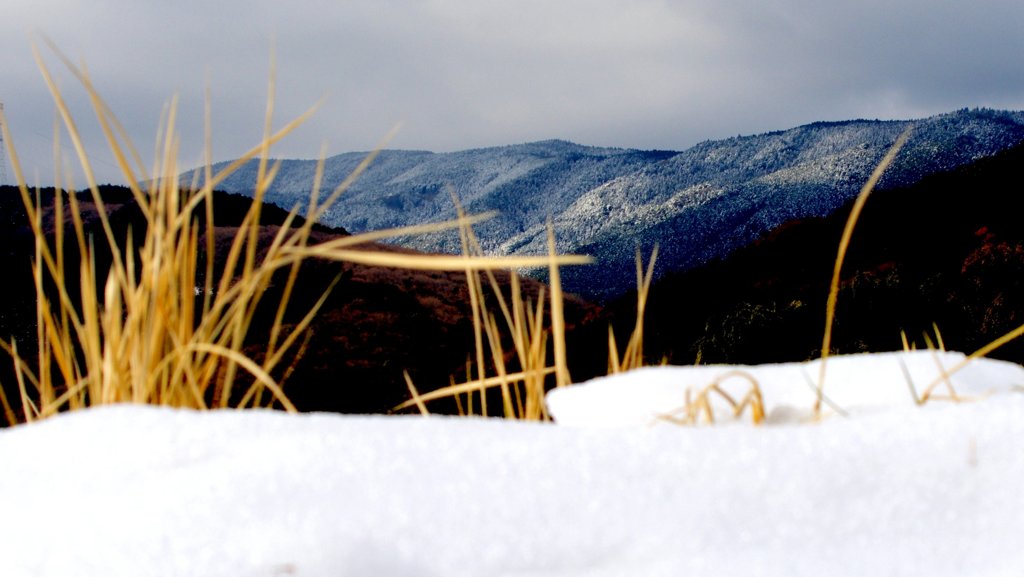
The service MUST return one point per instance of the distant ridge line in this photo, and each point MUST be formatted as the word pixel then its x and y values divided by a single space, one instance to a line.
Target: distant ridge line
pixel 697 204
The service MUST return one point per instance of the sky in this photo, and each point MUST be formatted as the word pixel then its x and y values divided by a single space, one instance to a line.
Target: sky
pixel 460 74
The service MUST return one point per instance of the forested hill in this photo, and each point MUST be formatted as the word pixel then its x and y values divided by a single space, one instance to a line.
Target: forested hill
pixel 697 204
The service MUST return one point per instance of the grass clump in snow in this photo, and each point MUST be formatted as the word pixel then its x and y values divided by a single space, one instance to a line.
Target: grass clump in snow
pixel 524 380
pixel 702 405
pixel 522 388
pixel 135 332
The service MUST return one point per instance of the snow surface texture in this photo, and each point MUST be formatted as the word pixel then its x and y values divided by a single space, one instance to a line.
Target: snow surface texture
pixel 895 490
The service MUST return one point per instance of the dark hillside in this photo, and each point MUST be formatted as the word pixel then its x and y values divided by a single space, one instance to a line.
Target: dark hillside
pixel 376 323
pixel 948 250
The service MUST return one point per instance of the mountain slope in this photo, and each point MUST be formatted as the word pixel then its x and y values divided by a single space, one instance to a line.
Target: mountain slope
pixel 524 182
pixel 947 250
pixel 699 204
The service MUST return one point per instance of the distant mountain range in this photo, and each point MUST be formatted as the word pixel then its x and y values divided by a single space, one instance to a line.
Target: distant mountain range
pixel 697 205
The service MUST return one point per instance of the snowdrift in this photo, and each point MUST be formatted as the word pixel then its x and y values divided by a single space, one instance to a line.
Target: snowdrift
pixel 895 489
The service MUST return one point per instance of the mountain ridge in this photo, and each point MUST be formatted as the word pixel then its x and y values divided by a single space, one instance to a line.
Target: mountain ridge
pixel 697 204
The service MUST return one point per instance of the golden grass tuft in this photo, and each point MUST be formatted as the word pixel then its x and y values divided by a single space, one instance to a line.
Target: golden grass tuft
pixel 136 332
pixel 522 390
pixel 521 320
pixel 702 405
pixel 633 356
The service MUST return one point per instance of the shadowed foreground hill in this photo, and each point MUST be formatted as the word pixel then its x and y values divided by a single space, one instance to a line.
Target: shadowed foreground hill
pixel 375 324
pixel 948 250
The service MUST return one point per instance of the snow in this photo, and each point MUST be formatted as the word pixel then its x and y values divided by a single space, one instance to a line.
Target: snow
pixel 853 384
pixel 894 489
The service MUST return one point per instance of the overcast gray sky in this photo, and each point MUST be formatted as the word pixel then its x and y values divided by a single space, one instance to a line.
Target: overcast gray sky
pixel 471 73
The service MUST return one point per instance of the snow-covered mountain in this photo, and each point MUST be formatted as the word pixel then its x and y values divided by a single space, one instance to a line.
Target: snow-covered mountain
pixel 698 204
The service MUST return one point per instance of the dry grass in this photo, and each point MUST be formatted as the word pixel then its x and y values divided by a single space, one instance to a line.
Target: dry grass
pixel 633 356
pixel 702 405
pixel 522 322
pixel 136 333
pixel 844 243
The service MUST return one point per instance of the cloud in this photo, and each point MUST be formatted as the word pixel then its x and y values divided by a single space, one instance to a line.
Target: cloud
pixel 462 73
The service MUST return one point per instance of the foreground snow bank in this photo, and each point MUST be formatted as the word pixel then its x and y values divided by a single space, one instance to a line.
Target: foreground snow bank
pixel 127 491
pixel 854 384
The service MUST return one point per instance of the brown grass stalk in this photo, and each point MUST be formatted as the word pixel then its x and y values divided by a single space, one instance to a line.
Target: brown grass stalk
pixel 136 332
pixel 844 243
pixel 633 356
pixel 522 391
